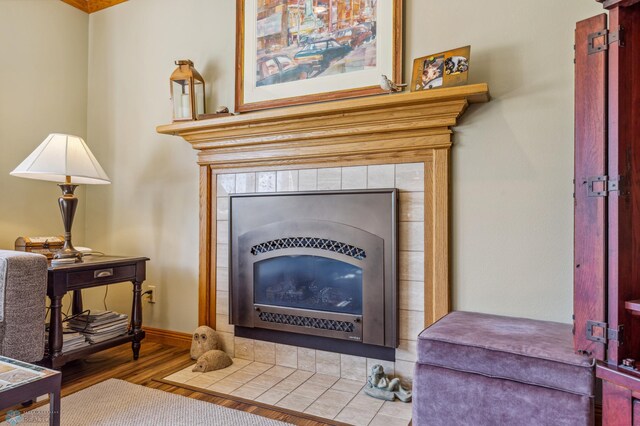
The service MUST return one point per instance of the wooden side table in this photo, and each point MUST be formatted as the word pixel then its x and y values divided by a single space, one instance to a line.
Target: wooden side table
pixel 93 271
pixel 47 381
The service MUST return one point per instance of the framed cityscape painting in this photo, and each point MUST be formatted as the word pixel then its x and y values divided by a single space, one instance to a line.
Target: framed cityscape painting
pixel 293 52
pixel 444 69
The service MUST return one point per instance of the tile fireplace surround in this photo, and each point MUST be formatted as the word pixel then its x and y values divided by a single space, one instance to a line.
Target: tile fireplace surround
pixel 396 141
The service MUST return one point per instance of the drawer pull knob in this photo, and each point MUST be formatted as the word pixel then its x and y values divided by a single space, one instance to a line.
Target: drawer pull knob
pixel 103 273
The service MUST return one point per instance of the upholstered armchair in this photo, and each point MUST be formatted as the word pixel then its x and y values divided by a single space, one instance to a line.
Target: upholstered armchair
pixel 23 286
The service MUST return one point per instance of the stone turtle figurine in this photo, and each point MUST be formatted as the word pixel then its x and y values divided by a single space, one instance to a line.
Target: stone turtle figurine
pixel 380 386
pixel 204 339
pixel 212 360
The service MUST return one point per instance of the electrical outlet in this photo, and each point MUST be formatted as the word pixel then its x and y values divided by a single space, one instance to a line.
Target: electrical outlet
pixel 153 296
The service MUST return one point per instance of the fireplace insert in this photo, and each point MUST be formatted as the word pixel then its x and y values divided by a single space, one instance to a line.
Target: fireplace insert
pixel 315 263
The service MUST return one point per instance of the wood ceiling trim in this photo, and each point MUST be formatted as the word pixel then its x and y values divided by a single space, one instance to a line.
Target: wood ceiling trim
pixel 90 6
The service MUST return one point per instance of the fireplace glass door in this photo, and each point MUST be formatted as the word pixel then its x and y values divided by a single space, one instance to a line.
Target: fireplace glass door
pixel 308 282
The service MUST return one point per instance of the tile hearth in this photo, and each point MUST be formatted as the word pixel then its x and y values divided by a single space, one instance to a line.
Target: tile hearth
pixel 321 395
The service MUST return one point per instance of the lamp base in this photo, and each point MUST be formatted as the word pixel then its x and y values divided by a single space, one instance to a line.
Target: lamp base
pixel 68 203
pixel 68 253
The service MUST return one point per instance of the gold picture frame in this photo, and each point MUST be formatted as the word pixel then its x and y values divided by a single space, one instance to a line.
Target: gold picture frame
pixel 444 69
pixel 295 52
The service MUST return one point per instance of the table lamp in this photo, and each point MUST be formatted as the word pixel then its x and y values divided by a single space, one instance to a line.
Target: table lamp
pixel 66 159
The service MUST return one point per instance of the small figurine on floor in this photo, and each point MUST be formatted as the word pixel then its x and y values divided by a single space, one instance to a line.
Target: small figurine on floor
pixel 204 339
pixel 380 386
pixel 212 360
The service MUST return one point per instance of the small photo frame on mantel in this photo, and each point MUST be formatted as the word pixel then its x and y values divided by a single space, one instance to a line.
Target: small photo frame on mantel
pixel 444 69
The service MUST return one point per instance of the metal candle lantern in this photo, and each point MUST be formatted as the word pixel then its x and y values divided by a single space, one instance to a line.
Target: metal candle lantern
pixel 187 92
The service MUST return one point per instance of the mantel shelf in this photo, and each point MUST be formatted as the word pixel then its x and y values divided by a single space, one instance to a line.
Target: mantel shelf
pixel 384 125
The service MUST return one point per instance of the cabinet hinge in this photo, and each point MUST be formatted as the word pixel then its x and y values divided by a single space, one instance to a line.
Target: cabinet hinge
pixel 610 37
pixel 608 185
pixel 607 334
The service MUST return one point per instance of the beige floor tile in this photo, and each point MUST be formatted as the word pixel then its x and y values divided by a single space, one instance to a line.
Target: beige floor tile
pixel 300 375
pixel 266 381
pixel 202 381
pixel 336 396
pixel 249 392
pixel 287 385
pixel 184 376
pixel 396 409
pixel 257 367
pixel 241 377
pixel 384 420
pixel 320 409
pixel 310 390
pixel 279 371
pixel 365 402
pixel 348 385
pixel 177 377
pixel 355 416
pixel 218 374
pixel 295 402
pixel 272 396
pixel 323 379
pixel 224 386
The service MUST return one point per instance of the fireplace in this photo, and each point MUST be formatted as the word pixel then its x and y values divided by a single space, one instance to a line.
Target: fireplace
pixel 315 269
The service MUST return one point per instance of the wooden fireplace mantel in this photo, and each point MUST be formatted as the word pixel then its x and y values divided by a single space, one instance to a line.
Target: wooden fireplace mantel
pixel 400 128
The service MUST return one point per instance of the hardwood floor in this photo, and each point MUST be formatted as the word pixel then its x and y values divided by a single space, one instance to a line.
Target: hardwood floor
pixel 155 361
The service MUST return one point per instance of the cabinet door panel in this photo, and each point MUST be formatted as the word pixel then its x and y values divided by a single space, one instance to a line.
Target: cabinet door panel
pixel 590 209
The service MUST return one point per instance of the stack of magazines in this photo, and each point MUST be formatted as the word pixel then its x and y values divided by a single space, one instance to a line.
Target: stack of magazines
pixel 71 339
pixel 98 326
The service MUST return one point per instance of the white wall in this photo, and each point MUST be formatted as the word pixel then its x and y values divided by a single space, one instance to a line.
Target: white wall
pixel 43 86
pixel 512 222
pixel 512 159
pixel 151 208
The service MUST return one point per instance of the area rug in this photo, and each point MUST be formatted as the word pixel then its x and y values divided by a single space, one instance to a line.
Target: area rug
pixel 116 402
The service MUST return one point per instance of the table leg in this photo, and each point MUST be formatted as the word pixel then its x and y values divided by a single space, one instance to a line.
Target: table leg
pixel 136 318
pixel 55 328
pixel 54 407
pixel 76 306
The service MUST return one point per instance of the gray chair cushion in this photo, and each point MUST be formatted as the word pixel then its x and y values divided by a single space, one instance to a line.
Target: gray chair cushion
pixel 23 286
pixel 528 351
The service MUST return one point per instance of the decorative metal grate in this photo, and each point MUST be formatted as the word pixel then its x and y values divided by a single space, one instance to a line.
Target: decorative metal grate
pixel 324 324
pixel 309 242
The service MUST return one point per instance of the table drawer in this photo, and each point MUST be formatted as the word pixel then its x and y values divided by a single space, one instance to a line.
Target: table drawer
pixel 98 276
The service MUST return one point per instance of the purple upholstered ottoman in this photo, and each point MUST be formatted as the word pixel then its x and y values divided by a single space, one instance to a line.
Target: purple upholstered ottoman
pixel 478 369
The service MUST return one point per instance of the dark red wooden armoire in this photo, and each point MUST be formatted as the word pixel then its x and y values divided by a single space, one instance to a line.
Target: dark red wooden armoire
pixel 607 204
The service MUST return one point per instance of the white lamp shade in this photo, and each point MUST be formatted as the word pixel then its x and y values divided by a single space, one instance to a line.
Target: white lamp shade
pixel 60 156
